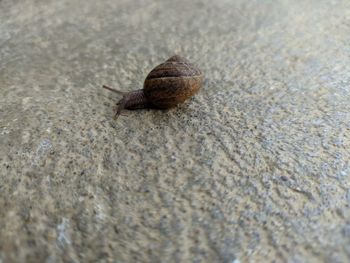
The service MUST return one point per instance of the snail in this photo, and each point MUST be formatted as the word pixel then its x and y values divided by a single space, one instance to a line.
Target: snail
pixel 166 86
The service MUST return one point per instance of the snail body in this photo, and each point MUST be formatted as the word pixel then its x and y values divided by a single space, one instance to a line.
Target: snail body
pixel 166 86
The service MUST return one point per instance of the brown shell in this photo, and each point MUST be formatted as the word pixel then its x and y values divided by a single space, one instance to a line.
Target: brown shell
pixel 172 82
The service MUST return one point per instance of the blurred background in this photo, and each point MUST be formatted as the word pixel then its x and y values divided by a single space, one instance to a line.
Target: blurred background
pixel 254 168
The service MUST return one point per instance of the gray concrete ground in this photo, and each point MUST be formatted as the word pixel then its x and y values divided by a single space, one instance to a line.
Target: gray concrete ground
pixel 255 168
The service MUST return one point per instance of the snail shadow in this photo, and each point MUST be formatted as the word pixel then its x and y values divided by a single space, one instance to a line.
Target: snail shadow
pixel 150 115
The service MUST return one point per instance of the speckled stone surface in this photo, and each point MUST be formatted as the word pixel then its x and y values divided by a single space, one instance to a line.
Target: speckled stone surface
pixel 255 168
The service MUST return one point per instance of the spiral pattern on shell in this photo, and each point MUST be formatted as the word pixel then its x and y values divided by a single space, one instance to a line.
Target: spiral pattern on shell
pixel 172 82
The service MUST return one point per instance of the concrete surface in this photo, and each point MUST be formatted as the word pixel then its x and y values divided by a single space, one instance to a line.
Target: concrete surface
pixel 255 168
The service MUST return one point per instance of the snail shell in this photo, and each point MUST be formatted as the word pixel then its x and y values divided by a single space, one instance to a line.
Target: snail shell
pixel 172 82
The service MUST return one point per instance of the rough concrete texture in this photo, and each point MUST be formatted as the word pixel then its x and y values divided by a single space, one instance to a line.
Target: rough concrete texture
pixel 255 168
